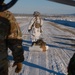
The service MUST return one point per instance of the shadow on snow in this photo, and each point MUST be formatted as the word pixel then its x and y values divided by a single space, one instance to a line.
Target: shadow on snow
pixel 42 68
pixel 63 43
pixel 26 45
pixel 63 22
pixel 37 66
pixel 65 38
pixel 54 46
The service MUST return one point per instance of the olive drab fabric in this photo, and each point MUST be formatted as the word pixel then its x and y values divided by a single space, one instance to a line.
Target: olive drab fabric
pixel 37 25
pixel 10 37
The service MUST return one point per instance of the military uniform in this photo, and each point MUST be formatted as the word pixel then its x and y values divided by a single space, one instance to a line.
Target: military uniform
pixel 36 31
pixel 10 37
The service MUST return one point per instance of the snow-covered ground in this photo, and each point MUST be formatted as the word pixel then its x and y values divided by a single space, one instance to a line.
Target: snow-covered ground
pixel 61 42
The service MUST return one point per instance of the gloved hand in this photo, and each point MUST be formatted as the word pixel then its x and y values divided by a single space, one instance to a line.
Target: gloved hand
pixel 29 30
pixel 40 31
pixel 18 68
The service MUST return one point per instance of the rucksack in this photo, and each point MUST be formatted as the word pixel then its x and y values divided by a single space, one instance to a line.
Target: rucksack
pixel 41 43
pixel 37 25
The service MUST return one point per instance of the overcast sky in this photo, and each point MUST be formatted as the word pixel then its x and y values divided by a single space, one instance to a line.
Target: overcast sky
pixel 43 6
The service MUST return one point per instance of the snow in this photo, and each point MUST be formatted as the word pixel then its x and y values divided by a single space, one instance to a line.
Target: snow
pixel 61 42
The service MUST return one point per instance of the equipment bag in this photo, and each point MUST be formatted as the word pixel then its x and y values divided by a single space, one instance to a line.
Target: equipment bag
pixel 37 25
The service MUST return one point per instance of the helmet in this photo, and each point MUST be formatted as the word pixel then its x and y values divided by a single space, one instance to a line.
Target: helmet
pixel 36 13
pixel 1 1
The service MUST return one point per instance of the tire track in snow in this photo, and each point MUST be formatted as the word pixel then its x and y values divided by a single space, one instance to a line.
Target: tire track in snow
pixel 53 61
pixel 64 29
pixel 27 70
pixel 47 62
pixel 33 68
pixel 42 63
pixel 62 58
pixel 61 64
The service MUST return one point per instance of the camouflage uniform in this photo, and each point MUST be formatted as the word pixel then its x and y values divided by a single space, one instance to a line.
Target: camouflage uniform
pixel 10 37
pixel 35 26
